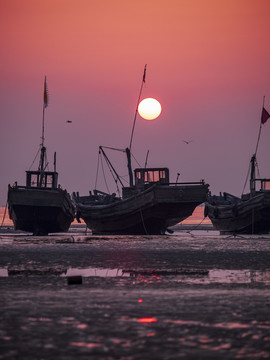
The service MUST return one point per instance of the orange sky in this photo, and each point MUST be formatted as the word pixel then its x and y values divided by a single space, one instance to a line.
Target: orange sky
pixel 208 65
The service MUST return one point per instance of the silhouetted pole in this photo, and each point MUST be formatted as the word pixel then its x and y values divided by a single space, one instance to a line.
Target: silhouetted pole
pixel 259 130
pixel 43 149
pixel 134 121
pixel 45 104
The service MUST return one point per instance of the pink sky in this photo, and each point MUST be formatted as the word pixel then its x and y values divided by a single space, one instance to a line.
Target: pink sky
pixel 208 65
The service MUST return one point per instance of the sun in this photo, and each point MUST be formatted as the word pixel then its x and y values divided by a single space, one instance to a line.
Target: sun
pixel 149 109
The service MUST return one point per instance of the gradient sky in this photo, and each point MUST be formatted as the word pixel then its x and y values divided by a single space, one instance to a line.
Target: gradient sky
pixel 208 63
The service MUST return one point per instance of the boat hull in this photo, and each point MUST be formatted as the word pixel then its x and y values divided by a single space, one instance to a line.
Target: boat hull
pixel 151 211
pixel 250 216
pixel 40 211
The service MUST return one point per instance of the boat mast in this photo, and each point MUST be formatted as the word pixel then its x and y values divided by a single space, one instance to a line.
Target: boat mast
pixel 136 112
pixel 252 173
pixel 128 150
pixel 261 123
pixel 264 117
pixel 43 149
pixel 129 167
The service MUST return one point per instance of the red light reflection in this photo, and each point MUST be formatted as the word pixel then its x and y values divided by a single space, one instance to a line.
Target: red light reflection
pixel 147 320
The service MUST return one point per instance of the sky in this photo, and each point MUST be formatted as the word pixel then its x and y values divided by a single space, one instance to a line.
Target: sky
pixel 207 64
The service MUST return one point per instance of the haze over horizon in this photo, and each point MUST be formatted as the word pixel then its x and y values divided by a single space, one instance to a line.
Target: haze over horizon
pixel 207 64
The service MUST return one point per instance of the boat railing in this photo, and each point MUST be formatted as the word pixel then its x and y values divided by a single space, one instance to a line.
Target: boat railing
pixel 98 198
pixel 186 183
pixel 16 186
pixel 223 199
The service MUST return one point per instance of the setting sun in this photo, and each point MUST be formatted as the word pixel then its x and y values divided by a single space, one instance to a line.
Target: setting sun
pixel 149 109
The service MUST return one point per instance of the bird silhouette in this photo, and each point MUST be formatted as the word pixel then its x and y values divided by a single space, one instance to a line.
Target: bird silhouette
pixel 187 141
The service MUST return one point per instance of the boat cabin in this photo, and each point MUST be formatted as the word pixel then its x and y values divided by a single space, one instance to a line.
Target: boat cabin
pixel 42 179
pixel 151 175
pixel 260 185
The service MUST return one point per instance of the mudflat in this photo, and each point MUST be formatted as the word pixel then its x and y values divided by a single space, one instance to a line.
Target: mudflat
pixel 184 296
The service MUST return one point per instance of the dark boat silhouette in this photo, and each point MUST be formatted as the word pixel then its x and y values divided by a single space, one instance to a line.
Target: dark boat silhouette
pixel 248 214
pixel 149 205
pixel 41 206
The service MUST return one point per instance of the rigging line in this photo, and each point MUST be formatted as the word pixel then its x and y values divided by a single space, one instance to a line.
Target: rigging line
pixel 117 187
pixel 34 159
pixel 111 148
pixel 257 168
pixel 136 160
pixel 123 178
pixel 116 178
pixel 99 155
pixel 4 215
pixel 144 227
pixel 196 226
pixel 110 164
pixel 136 112
pixel 104 176
pixel 111 171
pixel 246 179
pixel 259 131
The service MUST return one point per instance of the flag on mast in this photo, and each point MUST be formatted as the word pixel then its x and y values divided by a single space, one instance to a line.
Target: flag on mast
pixel 45 97
pixel 265 116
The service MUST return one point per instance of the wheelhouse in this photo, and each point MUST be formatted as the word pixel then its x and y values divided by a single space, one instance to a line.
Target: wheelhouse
pixel 151 175
pixel 41 179
pixel 261 184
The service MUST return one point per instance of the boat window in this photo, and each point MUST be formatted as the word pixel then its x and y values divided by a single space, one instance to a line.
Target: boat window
pixel 34 180
pixel 152 175
pixel 42 181
pixel 45 180
pixel 49 181
pixel 162 174
pixel 265 185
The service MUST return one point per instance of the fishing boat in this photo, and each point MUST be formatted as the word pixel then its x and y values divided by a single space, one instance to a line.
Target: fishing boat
pixel 150 204
pixel 41 206
pixel 249 213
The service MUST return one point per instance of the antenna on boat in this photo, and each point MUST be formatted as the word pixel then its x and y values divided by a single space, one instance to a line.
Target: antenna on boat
pixel 146 159
pixel 54 162
pixel 43 149
pixel 136 112
pixel 45 104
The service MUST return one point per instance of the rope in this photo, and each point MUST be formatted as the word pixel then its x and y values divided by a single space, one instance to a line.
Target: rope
pixel 4 215
pixel 146 233
pixel 34 159
pixel 117 187
pixel 246 180
pixel 104 176
pixel 97 170
pixel 258 171
pixel 111 148
pixel 136 160
pixel 196 226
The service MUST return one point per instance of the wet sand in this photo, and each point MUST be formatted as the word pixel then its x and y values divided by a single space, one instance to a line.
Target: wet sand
pixel 191 295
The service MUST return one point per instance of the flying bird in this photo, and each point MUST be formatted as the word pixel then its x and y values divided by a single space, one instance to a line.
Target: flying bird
pixel 187 142
pixel 69 121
